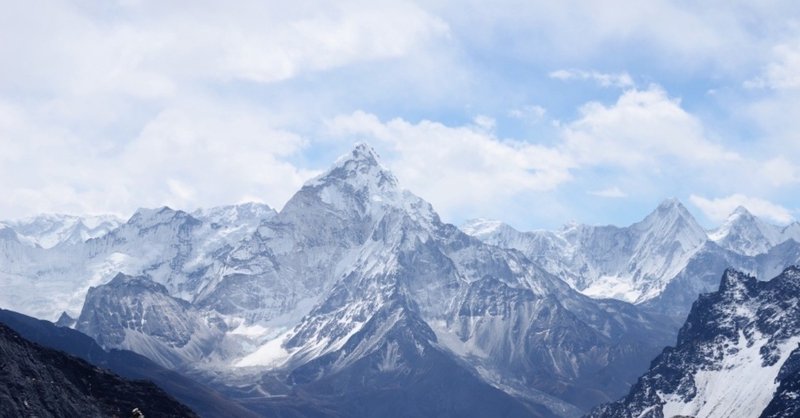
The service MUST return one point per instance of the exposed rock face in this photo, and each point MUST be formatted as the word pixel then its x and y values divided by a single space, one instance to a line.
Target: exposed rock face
pixel 134 313
pixel 735 356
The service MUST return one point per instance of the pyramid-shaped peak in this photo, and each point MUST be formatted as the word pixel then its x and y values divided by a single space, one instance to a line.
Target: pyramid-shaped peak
pixel 670 209
pixel 671 204
pixel 360 168
pixel 741 211
pixel 673 221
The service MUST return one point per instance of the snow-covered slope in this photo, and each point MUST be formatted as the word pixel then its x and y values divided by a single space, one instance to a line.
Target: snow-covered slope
pixel 731 356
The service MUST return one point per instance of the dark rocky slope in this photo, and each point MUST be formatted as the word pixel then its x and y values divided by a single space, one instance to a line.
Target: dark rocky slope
pixel 40 382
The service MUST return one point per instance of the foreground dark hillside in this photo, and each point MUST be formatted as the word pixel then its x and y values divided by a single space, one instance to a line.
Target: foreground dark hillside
pixel 40 382
pixel 207 402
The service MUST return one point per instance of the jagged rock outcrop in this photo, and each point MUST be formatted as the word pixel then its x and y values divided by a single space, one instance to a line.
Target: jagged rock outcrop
pixel 736 355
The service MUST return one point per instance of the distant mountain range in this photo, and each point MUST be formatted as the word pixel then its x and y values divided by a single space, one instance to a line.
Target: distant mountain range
pixel 663 262
pixel 356 300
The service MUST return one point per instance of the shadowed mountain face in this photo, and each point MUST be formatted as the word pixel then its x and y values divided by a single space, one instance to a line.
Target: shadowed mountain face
pixel 736 356
pixel 37 381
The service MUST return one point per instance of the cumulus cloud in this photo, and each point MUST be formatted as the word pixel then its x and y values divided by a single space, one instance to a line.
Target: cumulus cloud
pixel 107 107
pixel 212 154
pixel 189 155
pixel 718 209
pixel 621 80
pixel 642 139
pixel 529 113
pixel 113 105
pixel 641 129
pixel 783 71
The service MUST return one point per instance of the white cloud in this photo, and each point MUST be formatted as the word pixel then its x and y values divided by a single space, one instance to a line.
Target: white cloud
pixel 107 107
pixel 530 113
pixel 620 80
pixel 189 155
pixel 461 167
pixel 484 122
pixel 718 209
pixel 212 154
pixel 778 172
pixel 611 192
pixel 148 48
pixel 640 130
pixel 641 140
pixel 783 72
pixel 136 103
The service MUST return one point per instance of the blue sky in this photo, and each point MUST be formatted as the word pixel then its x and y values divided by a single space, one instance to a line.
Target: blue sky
pixel 534 112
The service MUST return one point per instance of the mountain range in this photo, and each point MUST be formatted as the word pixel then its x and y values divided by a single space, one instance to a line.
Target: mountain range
pixel 661 263
pixel 356 300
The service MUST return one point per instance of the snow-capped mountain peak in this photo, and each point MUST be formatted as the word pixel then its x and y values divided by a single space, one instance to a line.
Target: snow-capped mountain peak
pixel 669 224
pixel 741 211
pixel 745 233
pixel 633 263
pixel 671 220
pixel 49 230
pixel 358 187
pixel 360 168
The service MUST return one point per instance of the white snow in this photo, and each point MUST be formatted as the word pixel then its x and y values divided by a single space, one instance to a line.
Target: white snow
pixel 633 263
pixel 613 287
pixel 481 227
pixel 271 354
pixel 747 234
pixel 740 388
